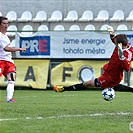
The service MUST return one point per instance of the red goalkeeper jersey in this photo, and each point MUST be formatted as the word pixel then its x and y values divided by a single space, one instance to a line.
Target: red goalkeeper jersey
pixel 113 70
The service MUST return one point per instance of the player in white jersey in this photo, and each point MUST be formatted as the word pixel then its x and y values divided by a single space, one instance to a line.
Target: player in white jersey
pixel 7 66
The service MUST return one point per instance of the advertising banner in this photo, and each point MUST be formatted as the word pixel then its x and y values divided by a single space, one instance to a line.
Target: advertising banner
pixel 69 73
pixel 67 44
pixel 30 73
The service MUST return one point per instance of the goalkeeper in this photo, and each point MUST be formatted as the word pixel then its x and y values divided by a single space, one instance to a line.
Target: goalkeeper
pixel 113 71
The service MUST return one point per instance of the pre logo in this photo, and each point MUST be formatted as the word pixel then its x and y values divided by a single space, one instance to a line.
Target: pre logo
pixel 37 45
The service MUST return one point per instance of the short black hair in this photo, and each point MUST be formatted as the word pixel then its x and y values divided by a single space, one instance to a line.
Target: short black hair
pixel 2 18
pixel 122 38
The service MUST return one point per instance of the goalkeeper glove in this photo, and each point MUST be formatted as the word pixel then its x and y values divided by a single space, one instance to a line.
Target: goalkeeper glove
pixel 110 30
pixel 120 51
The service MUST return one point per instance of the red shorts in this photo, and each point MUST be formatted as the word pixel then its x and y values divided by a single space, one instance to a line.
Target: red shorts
pixel 6 67
pixel 106 82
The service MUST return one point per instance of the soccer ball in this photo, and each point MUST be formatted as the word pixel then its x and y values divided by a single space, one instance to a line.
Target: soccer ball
pixel 108 94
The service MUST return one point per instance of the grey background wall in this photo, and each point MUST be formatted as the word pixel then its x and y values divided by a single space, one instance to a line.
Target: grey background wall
pixel 65 5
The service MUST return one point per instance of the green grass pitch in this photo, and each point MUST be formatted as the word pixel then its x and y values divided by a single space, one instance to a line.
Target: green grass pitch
pixel 45 111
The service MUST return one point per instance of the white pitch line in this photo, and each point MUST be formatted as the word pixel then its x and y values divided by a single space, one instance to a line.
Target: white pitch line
pixel 66 116
pixel 9 119
pixel 96 114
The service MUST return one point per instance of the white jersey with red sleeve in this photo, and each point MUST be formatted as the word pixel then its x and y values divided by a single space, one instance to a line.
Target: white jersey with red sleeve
pixel 5 41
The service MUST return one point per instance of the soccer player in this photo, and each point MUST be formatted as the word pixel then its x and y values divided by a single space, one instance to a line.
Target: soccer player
pixel 7 66
pixel 113 71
